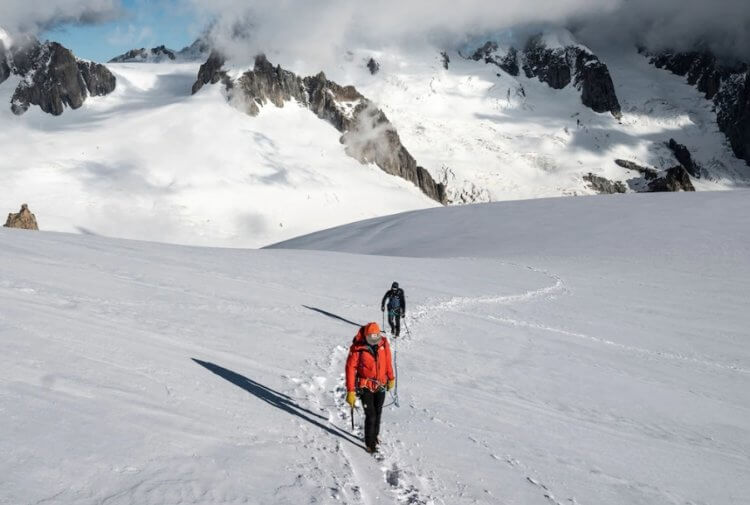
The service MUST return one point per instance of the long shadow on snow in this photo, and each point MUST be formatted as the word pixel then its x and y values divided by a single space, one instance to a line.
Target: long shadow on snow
pixel 331 315
pixel 278 400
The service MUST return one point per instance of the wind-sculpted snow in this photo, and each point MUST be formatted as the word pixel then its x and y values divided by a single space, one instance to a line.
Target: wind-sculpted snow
pixel 568 357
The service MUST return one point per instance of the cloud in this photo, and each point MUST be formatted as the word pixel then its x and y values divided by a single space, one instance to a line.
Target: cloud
pixel 720 25
pixel 323 30
pixel 131 36
pixel 34 16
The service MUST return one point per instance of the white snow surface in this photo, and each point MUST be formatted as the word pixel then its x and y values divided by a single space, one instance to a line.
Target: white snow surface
pixel 152 162
pixel 565 351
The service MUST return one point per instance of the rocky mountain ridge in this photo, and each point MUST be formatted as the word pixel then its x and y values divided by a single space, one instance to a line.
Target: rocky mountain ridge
pixel 367 134
pixel 52 77
pixel 197 51
pixel 557 65
pixel 726 84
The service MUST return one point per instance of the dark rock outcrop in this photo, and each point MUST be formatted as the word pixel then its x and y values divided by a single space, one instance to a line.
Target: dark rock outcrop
pixel 24 219
pixel 211 72
pixel 155 54
pixel 445 59
pixel 550 66
pixel 559 66
pixel 4 65
pixel 99 81
pixel 676 179
pixel 367 134
pixel 595 83
pixel 684 158
pixel 54 78
pixel 373 66
pixel 727 84
pixel 488 53
pixel 648 173
pixel 603 185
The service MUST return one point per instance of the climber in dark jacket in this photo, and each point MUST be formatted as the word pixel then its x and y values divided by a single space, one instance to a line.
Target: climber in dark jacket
pixel 395 299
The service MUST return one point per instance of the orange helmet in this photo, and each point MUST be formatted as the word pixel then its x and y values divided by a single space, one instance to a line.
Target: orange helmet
pixel 371 328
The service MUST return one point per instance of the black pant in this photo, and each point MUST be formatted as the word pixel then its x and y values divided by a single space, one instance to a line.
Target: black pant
pixel 394 320
pixel 373 405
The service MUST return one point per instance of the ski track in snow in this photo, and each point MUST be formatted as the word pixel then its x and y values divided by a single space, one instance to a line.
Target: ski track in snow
pixel 627 348
pixel 408 485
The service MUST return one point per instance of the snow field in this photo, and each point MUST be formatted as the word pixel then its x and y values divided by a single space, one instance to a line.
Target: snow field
pixel 152 162
pixel 553 364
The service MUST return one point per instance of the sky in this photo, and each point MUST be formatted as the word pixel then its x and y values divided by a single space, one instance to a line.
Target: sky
pixel 139 23
pixel 324 29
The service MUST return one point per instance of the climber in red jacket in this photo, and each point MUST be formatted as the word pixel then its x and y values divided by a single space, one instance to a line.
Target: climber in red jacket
pixel 369 374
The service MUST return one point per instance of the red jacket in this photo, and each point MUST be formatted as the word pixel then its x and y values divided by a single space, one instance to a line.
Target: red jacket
pixel 365 369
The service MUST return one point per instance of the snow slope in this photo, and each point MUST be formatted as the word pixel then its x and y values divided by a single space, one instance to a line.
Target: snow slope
pixel 152 162
pixel 557 354
pixel 494 137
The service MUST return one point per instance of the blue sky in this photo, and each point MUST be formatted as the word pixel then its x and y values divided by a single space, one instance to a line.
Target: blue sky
pixel 144 23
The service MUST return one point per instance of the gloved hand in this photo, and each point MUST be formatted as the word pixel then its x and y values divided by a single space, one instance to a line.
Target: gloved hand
pixel 403 315
pixel 391 384
pixel 382 309
pixel 351 398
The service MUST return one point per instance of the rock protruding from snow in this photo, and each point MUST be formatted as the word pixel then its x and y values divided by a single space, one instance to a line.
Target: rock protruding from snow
pixel 196 51
pixel 648 173
pixel 211 72
pixel 367 134
pixel 445 60
pixel 559 65
pixel 153 55
pixel 684 158
pixel 4 62
pixel 373 66
pixel 604 186
pixel 53 78
pixel 489 53
pixel 726 84
pixel 676 179
pixel 24 219
pixel 557 60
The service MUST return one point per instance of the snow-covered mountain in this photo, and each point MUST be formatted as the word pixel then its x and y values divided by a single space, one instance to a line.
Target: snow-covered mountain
pixel 197 51
pixel 560 351
pixel 245 154
pixel 50 76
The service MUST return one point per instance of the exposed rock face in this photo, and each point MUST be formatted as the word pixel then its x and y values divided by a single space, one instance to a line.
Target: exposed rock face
pixel 550 66
pixel 683 156
pixel 648 173
pixel 557 67
pixel 155 54
pixel 367 134
pixel 488 53
pixel 603 185
pixel 54 78
pixel 595 83
pixel 196 51
pixel 211 72
pixel 24 219
pixel 445 59
pixel 676 179
pixel 727 84
pixel 4 66
pixel 373 66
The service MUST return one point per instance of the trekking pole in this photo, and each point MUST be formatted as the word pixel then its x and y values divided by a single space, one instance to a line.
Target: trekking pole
pixel 395 372
pixel 406 326
pixel 352 419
